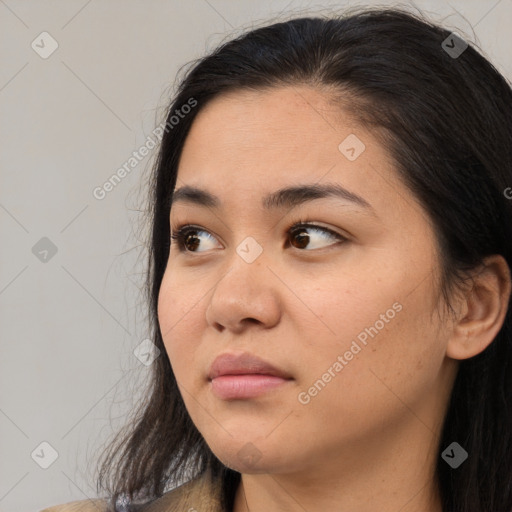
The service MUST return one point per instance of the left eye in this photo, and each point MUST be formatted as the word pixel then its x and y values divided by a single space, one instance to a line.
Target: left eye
pixel 297 232
pixel 186 236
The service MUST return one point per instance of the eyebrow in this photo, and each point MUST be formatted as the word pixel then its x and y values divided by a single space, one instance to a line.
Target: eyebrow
pixel 287 197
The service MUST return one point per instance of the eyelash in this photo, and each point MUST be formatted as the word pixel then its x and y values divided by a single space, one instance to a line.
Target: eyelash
pixel 181 231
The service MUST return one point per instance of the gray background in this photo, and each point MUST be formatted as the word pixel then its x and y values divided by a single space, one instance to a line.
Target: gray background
pixel 69 325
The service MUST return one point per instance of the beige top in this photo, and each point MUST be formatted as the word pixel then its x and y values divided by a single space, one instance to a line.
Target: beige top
pixel 196 495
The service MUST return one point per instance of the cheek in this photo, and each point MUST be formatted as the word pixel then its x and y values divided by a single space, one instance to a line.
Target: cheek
pixel 347 307
pixel 384 353
pixel 180 319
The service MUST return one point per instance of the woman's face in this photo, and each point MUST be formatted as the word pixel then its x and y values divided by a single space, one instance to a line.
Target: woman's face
pixel 350 319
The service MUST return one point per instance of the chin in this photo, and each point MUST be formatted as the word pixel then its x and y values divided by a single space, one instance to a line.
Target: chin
pixel 248 457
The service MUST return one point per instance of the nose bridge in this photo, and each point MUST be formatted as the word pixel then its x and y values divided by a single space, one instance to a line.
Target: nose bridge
pixel 246 290
pixel 247 273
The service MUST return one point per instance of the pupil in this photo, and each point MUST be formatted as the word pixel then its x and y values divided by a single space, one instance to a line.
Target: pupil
pixel 191 236
pixel 304 238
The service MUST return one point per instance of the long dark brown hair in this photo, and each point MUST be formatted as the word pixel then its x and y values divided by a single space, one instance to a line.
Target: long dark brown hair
pixel 447 121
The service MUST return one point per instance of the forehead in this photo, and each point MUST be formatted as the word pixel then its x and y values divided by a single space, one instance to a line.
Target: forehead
pixel 278 133
pixel 249 142
pixel 269 121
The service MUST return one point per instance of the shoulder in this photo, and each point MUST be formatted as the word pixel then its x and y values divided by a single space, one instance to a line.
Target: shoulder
pixel 200 494
pixel 96 505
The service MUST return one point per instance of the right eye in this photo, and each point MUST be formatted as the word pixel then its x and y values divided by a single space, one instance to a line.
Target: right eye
pixel 185 235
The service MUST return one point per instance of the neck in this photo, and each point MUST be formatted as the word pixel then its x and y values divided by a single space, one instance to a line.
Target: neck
pixel 380 475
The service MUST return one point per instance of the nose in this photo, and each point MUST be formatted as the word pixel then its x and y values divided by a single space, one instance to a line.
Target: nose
pixel 247 294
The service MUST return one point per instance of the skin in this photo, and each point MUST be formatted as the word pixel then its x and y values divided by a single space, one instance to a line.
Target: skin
pixel 368 440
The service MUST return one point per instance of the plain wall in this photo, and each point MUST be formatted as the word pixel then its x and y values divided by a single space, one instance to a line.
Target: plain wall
pixel 70 321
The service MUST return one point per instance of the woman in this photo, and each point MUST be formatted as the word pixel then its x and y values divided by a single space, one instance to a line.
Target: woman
pixel 329 279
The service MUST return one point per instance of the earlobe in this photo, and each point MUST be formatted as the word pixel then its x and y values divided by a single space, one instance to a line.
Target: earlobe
pixel 483 311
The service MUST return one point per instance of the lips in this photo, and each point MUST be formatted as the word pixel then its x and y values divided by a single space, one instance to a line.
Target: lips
pixel 245 376
pixel 243 364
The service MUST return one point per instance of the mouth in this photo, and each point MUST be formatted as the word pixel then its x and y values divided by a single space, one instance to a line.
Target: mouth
pixel 233 387
pixel 241 376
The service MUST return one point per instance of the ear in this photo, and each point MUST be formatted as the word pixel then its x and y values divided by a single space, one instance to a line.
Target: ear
pixel 482 310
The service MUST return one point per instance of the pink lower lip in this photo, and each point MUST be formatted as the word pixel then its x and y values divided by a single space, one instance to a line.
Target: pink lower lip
pixel 244 386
